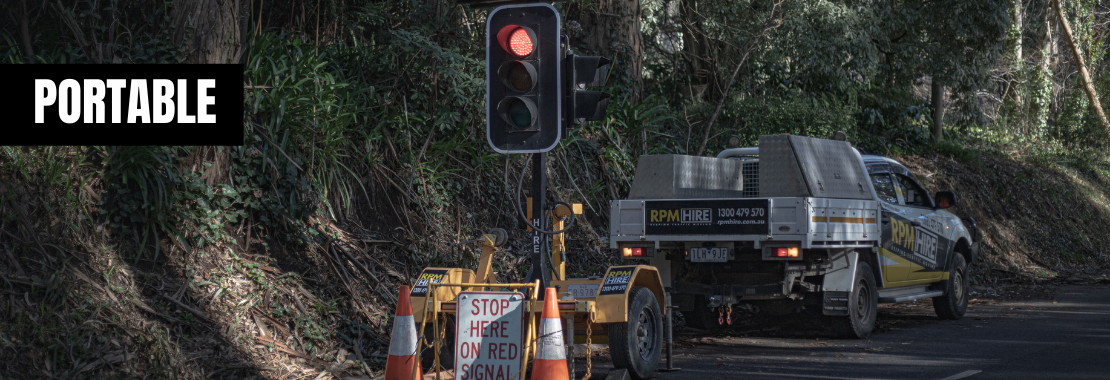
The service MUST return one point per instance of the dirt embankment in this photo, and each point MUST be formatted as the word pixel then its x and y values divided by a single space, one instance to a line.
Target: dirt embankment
pixel 1041 219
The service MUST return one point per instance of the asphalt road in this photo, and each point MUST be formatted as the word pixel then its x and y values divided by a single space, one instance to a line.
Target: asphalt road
pixel 1065 335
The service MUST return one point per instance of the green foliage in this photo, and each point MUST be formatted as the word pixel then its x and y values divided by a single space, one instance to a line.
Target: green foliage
pixel 116 31
pixel 960 153
pixel 790 111
pixel 892 121
pixel 143 191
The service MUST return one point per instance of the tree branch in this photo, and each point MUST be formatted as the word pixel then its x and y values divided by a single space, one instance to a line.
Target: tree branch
pixel 728 88
pixel 1088 85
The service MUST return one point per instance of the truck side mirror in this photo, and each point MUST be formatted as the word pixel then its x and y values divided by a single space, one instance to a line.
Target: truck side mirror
pixel 945 199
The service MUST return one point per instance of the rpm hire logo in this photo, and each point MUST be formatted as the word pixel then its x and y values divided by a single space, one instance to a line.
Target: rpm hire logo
pixel 686 215
pixel 925 246
pixel 695 215
pixel 920 241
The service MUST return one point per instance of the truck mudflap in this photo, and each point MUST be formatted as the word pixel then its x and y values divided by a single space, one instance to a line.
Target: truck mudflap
pixel 835 303
pixel 838 283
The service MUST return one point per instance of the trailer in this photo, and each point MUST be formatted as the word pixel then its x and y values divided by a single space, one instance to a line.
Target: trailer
pixel 622 308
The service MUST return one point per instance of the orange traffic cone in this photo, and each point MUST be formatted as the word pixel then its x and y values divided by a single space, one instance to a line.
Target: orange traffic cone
pixel 551 359
pixel 404 342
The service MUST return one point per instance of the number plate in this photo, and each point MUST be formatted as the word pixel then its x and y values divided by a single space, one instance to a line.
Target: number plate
pixel 583 290
pixel 709 255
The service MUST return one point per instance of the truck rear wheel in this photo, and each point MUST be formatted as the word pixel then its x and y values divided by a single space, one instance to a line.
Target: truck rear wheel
pixel 636 345
pixel 863 305
pixel 953 304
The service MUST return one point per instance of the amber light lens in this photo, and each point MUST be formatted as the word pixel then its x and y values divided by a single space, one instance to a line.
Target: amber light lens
pixel 520 43
pixel 519 78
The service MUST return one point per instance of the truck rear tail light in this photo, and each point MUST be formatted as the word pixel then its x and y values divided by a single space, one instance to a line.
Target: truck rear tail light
pixel 632 252
pixel 786 252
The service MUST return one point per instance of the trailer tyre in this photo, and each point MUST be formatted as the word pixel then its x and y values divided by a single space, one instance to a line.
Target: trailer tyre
pixel 953 304
pixel 863 305
pixel 636 345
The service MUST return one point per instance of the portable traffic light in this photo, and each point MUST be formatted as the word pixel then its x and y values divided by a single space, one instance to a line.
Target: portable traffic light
pixel 586 72
pixel 523 79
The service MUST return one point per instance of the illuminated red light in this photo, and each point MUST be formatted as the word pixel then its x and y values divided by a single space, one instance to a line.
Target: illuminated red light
pixel 520 43
pixel 636 252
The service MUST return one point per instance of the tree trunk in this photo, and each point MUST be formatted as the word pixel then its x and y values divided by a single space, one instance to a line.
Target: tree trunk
pixel 697 53
pixel 209 31
pixel 938 109
pixel 1018 28
pixel 1088 85
pixel 1019 60
pixel 1041 86
pixel 24 29
pixel 620 18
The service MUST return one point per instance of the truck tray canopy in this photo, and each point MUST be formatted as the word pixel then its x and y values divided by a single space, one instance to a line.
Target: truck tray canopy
pixel 787 166
pixel 799 166
pixel 676 176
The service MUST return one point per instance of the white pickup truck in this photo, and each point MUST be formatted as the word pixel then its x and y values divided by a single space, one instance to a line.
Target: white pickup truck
pixel 797 224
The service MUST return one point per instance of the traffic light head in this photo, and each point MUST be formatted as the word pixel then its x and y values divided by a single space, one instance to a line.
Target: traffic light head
pixel 523 79
pixel 587 72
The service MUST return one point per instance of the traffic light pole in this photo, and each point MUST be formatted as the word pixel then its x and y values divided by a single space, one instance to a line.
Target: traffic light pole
pixel 538 270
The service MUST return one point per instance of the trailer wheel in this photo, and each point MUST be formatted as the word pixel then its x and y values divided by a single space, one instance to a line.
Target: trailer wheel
pixel 863 305
pixel 953 304
pixel 636 345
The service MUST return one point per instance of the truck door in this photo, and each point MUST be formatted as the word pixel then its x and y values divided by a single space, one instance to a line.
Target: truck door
pixel 895 269
pixel 928 248
pixel 898 260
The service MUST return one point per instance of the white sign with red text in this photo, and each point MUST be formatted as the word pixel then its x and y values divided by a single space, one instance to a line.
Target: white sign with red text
pixel 488 341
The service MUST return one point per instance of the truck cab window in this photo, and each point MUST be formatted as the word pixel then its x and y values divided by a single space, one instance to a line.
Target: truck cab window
pixel 913 193
pixel 884 187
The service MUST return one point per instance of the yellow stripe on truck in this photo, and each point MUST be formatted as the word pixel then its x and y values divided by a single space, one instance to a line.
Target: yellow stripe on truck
pixel 841 219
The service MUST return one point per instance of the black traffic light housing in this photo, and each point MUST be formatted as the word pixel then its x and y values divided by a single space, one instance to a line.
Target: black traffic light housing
pixel 524 80
pixel 585 72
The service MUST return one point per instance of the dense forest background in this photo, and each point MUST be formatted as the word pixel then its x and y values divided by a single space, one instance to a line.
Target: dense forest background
pixel 365 157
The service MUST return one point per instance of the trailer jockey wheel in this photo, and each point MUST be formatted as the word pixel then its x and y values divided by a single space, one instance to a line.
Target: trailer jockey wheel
pixel 637 345
pixel 863 305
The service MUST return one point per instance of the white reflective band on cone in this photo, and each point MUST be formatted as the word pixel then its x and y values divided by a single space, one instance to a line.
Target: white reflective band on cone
pixel 550 345
pixel 403 341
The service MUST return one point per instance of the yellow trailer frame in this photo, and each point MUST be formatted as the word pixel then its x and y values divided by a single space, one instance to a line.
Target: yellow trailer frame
pixel 443 286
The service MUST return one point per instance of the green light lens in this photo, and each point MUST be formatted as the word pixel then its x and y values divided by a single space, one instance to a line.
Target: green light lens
pixel 519 114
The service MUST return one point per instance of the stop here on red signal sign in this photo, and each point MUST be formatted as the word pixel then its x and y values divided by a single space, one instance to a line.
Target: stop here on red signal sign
pixel 488 339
